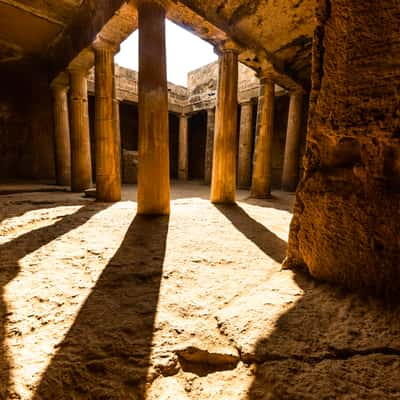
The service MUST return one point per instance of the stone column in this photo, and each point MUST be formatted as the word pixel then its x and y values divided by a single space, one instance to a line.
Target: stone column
pixel 291 163
pixel 262 165
pixel 245 145
pixel 209 145
pixel 61 134
pixel 108 153
pixel 81 164
pixel 183 172
pixel 118 130
pixel 223 182
pixel 116 103
pixel 153 168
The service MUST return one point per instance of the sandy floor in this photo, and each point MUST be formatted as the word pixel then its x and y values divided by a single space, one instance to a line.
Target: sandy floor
pixel 99 304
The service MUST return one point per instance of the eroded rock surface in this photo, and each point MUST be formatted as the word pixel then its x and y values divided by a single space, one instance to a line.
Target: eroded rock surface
pixel 347 214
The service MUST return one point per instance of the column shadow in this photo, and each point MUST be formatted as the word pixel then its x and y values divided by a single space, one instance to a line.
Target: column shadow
pixel 267 241
pixel 106 353
pixel 331 344
pixel 277 201
pixel 13 207
pixel 13 251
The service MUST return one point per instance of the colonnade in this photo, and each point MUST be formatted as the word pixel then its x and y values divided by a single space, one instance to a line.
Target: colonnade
pixel 72 132
pixel 232 159
pixel 224 169
pixel 261 176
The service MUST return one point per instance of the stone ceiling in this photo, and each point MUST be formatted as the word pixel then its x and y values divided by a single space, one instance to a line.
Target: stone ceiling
pixel 29 27
pixel 273 35
pixel 277 33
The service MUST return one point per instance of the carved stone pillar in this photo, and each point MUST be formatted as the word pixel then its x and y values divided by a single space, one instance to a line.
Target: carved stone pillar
pixel 117 122
pixel 291 165
pixel 108 152
pixel 245 145
pixel 209 145
pixel 262 165
pixel 81 164
pixel 61 134
pixel 183 172
pixel 153 168
pixel 223 183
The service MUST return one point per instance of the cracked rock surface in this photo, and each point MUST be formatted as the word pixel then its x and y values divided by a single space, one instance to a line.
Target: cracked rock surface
pixel 99 304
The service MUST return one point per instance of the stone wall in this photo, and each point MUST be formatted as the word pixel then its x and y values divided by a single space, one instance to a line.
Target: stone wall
pixel 199 95
pixel 26 124
pixel 173 129
pixel 197 145
pixel 127 89
pixel 202 86
pixel 14 132
pixel 347 215
pixel 129 125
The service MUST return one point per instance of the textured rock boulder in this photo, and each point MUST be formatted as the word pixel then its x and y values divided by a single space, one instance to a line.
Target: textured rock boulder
pixel 346 222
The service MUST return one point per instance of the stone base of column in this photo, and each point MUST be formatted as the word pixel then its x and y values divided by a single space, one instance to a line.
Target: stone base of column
pixel 261 196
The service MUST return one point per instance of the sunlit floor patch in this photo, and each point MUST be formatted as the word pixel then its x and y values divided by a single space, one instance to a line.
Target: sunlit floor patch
pixel 63 259
pixel 53 280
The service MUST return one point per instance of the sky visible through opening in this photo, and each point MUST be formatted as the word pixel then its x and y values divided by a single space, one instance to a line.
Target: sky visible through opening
pixel 185 52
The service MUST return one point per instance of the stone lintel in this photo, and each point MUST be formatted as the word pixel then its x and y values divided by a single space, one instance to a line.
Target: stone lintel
pixel 266 65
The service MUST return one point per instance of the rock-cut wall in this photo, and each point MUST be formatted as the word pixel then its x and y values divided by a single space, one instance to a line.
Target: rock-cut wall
pixel 26 123
pixel 346 225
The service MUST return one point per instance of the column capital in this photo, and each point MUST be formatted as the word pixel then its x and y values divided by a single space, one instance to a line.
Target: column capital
pixel 101 43
pixel 248 102
pixel 78 69
pixel 158 3
pixel 297 92
pixel 264 76
pixel 60 83
pixel 226 46
pixel 58 87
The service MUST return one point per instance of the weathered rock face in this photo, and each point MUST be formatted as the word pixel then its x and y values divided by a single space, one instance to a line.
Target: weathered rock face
pixel 347 214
